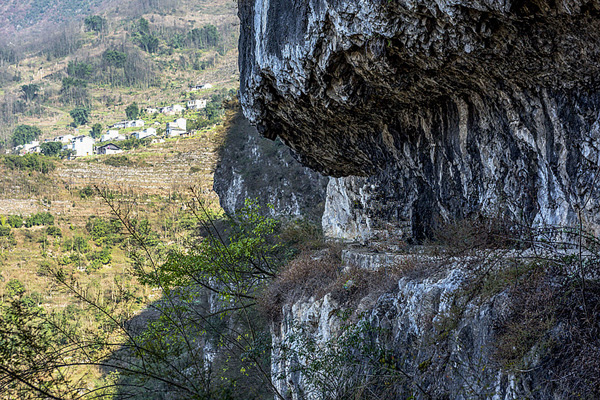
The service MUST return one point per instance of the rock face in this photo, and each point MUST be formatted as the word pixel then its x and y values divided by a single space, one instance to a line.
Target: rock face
pixel 253 167
pixel 445 109
pixel 429 337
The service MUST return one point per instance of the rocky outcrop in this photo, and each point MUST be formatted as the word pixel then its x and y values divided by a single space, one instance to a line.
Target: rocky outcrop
pixel 252 167
pixel 445 109
pixel 439 333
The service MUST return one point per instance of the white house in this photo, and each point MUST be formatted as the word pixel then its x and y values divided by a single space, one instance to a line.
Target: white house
pixel 63 139
pixel 200 87
pixel 129 124
pixel 172 109
pixel 112 136
pixel 32 147
pixel 82 146
pixel 151 110
pixel 196 104
pixel 177 127
pixel 145 133
pixel 109 149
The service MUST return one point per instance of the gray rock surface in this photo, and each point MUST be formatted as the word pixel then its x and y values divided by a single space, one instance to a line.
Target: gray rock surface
pixel 252 167
pixel 441 340
pixel 446 108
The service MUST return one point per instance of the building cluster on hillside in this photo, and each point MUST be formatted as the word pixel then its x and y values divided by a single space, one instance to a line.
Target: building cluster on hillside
pixel 83 145
pixel 200 87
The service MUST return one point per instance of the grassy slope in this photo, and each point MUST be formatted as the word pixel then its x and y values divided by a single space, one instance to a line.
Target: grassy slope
pixel 155 184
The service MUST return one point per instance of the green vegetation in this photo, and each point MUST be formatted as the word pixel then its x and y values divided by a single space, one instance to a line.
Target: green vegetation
pixel 25 134
pixel 147 41
pixel 132 111
pixel 30 162
pixel 79 70
pixel 96 131
pixel 80 115
pixel 41 218
pixel 94 23
pixel 114 58
pixel 105 232
pixel 15 221
pixel 14 288
pixel 30 91
pixel 51 149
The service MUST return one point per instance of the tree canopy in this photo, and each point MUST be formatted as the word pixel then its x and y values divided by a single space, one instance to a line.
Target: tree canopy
pixel 94 23
pixel 25 134
pixel 51 149
pixel 80 115
pixel 96 131
pixel 132 111
pixel 30 91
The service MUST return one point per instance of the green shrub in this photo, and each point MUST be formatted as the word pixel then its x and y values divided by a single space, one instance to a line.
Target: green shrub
pixel 5 230
pixel 104 231
pixel 15 221
pixel 41 218
pixel 119 161
pixel 54 231
pixel 30 162
pixel 78 244
pixel 14 288
pixel 86 192
pixel 103 257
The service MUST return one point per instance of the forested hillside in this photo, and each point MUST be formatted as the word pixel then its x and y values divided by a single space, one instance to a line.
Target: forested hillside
pixel 126 52
pixel 77 69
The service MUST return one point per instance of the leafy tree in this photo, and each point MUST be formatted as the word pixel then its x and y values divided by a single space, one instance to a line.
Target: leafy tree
pixel 51 149
pixel 94 23
pixel 132 111
pixel 30 162
pixel 144 38
pixel 104 231
pixel 67 153
pixel 148 43
pixel 114 58
pixel 41 218
pixel 80 70
pixel 25 134
pixel 96 131
pixel 69 83
pixel 80 115
pixel 143 26
pixel 30 91
pixel 14 288
pixel 204 37
pixel 15 221
pixel 53 231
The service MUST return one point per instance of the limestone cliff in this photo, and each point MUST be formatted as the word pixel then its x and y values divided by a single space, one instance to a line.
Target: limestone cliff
pixel 440 109
pixel 252 167
pixel 425 113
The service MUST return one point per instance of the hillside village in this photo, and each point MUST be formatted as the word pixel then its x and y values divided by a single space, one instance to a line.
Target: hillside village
pixel 74 146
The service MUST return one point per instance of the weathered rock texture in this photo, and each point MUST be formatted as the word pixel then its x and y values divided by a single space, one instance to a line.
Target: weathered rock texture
pixel 252 167
pixel 437 336
pixel 444 108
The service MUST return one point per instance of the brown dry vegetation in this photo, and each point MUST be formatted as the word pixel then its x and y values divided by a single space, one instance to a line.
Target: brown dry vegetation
pixel 313 274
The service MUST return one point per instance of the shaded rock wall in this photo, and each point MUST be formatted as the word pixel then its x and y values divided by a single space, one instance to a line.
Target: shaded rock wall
pixel 446 109
pixel 253 167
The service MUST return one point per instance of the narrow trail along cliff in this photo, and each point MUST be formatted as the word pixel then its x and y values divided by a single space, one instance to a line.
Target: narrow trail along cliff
pixel 424 113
